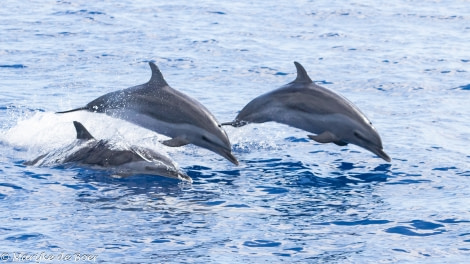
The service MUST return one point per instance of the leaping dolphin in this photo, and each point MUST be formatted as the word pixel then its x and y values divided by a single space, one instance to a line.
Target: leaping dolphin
pixel 100 154
pixel 160 108
pixel 305 105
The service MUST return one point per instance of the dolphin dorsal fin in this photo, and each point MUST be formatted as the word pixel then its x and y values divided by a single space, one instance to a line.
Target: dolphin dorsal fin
pixel 82 133
pixel 157 76
pixel 302 76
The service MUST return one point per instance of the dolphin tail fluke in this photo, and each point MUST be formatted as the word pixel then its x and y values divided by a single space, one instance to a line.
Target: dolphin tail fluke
pixel 227 123
pixel 234 123
pixel 73 110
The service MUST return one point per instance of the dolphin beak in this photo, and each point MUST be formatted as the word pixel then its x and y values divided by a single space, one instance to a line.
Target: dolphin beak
pixel 379 152
pixel 224 151
pixel 228 155
pixel 185 177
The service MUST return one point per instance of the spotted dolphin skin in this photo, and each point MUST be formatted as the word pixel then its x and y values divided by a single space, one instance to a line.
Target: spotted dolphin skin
pixel 305 105
pixel 100 154
pixel 160 108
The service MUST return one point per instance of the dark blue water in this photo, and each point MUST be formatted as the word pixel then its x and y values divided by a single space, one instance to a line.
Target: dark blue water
pixel 405 64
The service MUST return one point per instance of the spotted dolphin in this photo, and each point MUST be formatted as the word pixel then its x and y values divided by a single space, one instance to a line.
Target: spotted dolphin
pixel 156 106
pixel 310 107
pixel 101 154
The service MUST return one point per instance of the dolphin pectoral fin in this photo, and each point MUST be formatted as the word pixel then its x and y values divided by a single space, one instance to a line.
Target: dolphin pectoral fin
pixel 176 142
pixel 325 137
pixel 340 143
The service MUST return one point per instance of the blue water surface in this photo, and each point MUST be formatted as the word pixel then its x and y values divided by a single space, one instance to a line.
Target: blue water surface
pixel 405 64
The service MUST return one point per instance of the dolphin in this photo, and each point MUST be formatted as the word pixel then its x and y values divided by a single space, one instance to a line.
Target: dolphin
pixel 310 107
pixel 158 107
pixel 100 154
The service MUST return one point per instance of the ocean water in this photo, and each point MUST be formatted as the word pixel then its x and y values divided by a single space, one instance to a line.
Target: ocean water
pixel 405 64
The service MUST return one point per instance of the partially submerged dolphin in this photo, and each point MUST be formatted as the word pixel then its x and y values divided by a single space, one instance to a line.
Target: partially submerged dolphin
pixel 100 154
pixel 156 106
pixel 305 105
